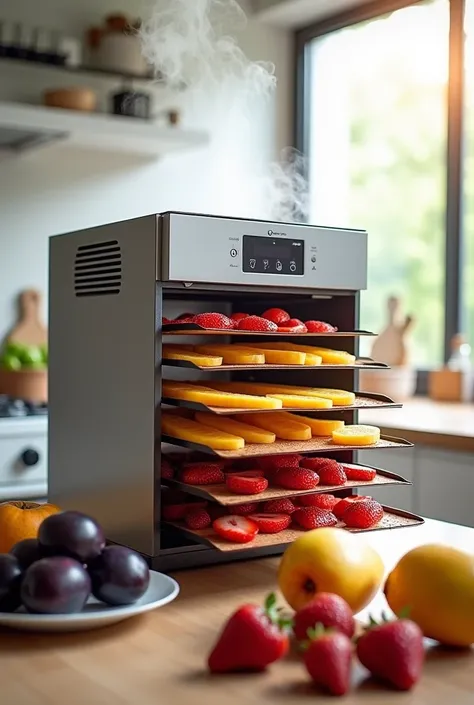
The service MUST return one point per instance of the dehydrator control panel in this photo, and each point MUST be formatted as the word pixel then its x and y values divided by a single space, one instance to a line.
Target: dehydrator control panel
pixel 211 249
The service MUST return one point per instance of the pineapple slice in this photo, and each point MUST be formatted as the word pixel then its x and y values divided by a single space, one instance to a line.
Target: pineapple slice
pixel 283 428
pixel 319 427
pixel 212 397
pixel 339 397
pixel 187 430
pixel 187 354
pixel 259 388
pixel 356 436
pixel 280 357
pixel 250 434
pixel 297 401
pixel 233 354
pixel 328 356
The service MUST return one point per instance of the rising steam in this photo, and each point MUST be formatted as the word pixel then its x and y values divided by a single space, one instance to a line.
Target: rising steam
pixel 191 44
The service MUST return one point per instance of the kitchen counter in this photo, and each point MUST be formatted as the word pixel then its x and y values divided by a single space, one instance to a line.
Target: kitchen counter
pixel 426 422
pixel 159 659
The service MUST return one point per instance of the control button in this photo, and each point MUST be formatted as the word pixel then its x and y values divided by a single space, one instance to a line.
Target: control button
pixel 266 264
pixel 292 266
pixel 313 258
pixel 252 263
pixel 233 252
pixel 30 457
pixel 279 265
pixel 313 268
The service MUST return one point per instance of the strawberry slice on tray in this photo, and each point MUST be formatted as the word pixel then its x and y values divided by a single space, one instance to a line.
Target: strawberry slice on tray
pixel 246 482
pixel 235 529
pixel 271 523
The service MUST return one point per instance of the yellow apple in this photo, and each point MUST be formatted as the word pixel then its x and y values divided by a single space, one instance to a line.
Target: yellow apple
pixel 330 560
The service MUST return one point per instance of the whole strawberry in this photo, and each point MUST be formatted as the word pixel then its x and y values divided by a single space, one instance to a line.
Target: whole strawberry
pixel 295 479
pixel 213 321
pixel 252 639
pixel 328 660
pixel 323 501
pixel 329 470
pixel 277 315
pixel 313 518
pixel 279 506
pixel 257 324
pixel 320 327
pixel 393 652
pixel 363 514
pixel 201 474
pixel 328 609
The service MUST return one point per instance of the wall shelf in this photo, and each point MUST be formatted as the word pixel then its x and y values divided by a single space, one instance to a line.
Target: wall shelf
pixel 80 70
pixel 24 127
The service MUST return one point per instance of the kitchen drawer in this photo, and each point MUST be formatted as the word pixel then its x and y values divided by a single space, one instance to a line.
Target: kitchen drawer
pixel 23 452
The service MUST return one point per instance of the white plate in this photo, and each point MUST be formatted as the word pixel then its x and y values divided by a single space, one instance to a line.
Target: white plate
pixel 161 590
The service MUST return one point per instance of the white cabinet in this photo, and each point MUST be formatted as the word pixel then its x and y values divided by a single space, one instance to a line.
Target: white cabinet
pixel 445 485
pixel 400 461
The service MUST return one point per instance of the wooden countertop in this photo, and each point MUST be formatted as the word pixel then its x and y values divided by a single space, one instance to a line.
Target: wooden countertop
pixel 426 422
pixel 158 659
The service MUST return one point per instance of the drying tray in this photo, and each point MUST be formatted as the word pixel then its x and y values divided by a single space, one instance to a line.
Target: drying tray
pixel 219 493
pixel 194 329
pixel 315 445
pixel 392 519
pixel 363 363
pixel 366 400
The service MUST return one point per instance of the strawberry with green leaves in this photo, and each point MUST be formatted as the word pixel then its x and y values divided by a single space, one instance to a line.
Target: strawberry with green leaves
pixel 393 652
pixel 328 659
pixel 253 638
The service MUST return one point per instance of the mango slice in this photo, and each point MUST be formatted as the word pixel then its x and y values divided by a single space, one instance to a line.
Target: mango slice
pixel 327 355
pixel 339 397
pixel 233 354
pixel 282 427
pixel 250 434
pixel 259 388
pixel 295 401
pixel 278 357
pixel 187 430
pixel 319 427
pixel 310 359
pixel 356 435
pixel 175 353
pixel 212 397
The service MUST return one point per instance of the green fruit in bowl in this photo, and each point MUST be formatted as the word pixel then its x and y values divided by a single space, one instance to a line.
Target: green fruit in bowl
pixel 10 362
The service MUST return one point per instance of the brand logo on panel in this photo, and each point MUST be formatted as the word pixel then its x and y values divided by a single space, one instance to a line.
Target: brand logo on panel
pixel 272 232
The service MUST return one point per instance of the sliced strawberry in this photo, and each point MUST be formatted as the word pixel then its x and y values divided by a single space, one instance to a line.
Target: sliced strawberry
pixel 323 501
pixel 238 316
pixel 248 482
pixel 276 315
pixel 279 506
pixel 295 479
pixel 213 321
pixel 320 327
pixel 294 325
pixel 257 324
pixel 363 515
pixel 329 470
pixel 313 518
pixel 235 529
pixel 359 473
pixel 271 523
pixel 346 502
pixel 273 462
pixel 197 519
pixel 245 509
pixel 202 474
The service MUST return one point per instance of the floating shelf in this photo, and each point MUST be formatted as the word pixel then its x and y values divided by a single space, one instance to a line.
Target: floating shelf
pixel 79 70
pixel 219 493
pixel 364 400
pixel 315 445
pixel 392 519
pixel 24 127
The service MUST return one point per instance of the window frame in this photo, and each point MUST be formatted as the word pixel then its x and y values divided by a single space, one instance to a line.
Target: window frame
pixel 454 161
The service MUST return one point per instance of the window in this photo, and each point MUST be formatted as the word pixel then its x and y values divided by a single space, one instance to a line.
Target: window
pixel 380 124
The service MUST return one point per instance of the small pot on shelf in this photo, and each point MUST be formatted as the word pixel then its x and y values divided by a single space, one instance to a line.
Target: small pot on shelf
pixel 28 385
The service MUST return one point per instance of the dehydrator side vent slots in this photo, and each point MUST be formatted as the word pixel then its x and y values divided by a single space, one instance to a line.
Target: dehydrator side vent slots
pixel 98 269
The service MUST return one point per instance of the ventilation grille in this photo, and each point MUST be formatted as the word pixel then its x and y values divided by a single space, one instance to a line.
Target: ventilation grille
pixel 98 269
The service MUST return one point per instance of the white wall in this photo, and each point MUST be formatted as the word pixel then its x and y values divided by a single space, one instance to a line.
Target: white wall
pixel 57 189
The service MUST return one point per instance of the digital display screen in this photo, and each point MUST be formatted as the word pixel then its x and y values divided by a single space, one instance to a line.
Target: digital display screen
pixel 270 255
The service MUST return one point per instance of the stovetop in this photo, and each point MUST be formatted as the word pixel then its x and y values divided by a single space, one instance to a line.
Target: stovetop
pixel 14 408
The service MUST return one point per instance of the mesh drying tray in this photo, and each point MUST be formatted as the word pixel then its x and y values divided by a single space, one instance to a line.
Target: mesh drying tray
pixel 363 363
pixel 194 329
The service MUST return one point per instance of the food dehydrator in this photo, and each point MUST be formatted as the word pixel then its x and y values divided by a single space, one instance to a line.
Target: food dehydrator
pixel 110 289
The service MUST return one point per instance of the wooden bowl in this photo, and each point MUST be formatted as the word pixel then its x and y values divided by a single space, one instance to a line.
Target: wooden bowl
pixel 29 385
pixel 83 99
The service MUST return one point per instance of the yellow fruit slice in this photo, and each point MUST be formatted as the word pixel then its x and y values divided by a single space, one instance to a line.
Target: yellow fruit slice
pixel 319 427
pixel 259 388
pixel 187 430
pixel 339 397
pixel 356 436
pixel 279 357
pixel 297 401
pixel 250 434
pixel 283 428
pixel 233 355
pixel 190 356
pixel 327 355
pixel 212 397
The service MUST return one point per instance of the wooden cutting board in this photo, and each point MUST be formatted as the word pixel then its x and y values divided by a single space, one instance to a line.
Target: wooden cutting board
pixel 29 329
pixel 390 346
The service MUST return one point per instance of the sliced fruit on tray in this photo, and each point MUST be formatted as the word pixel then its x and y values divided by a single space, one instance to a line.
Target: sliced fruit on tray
pixel 188 430
pixel 281 357
pixel 286 429
pixel 236 529
pixel 356 435
pixel 326 355
pixel 257 388
pixel 298 401
pixel 250 434
pixel 233 354
pixel 214 397
pixel 319 427
pixel 247 482
pixel 188 355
